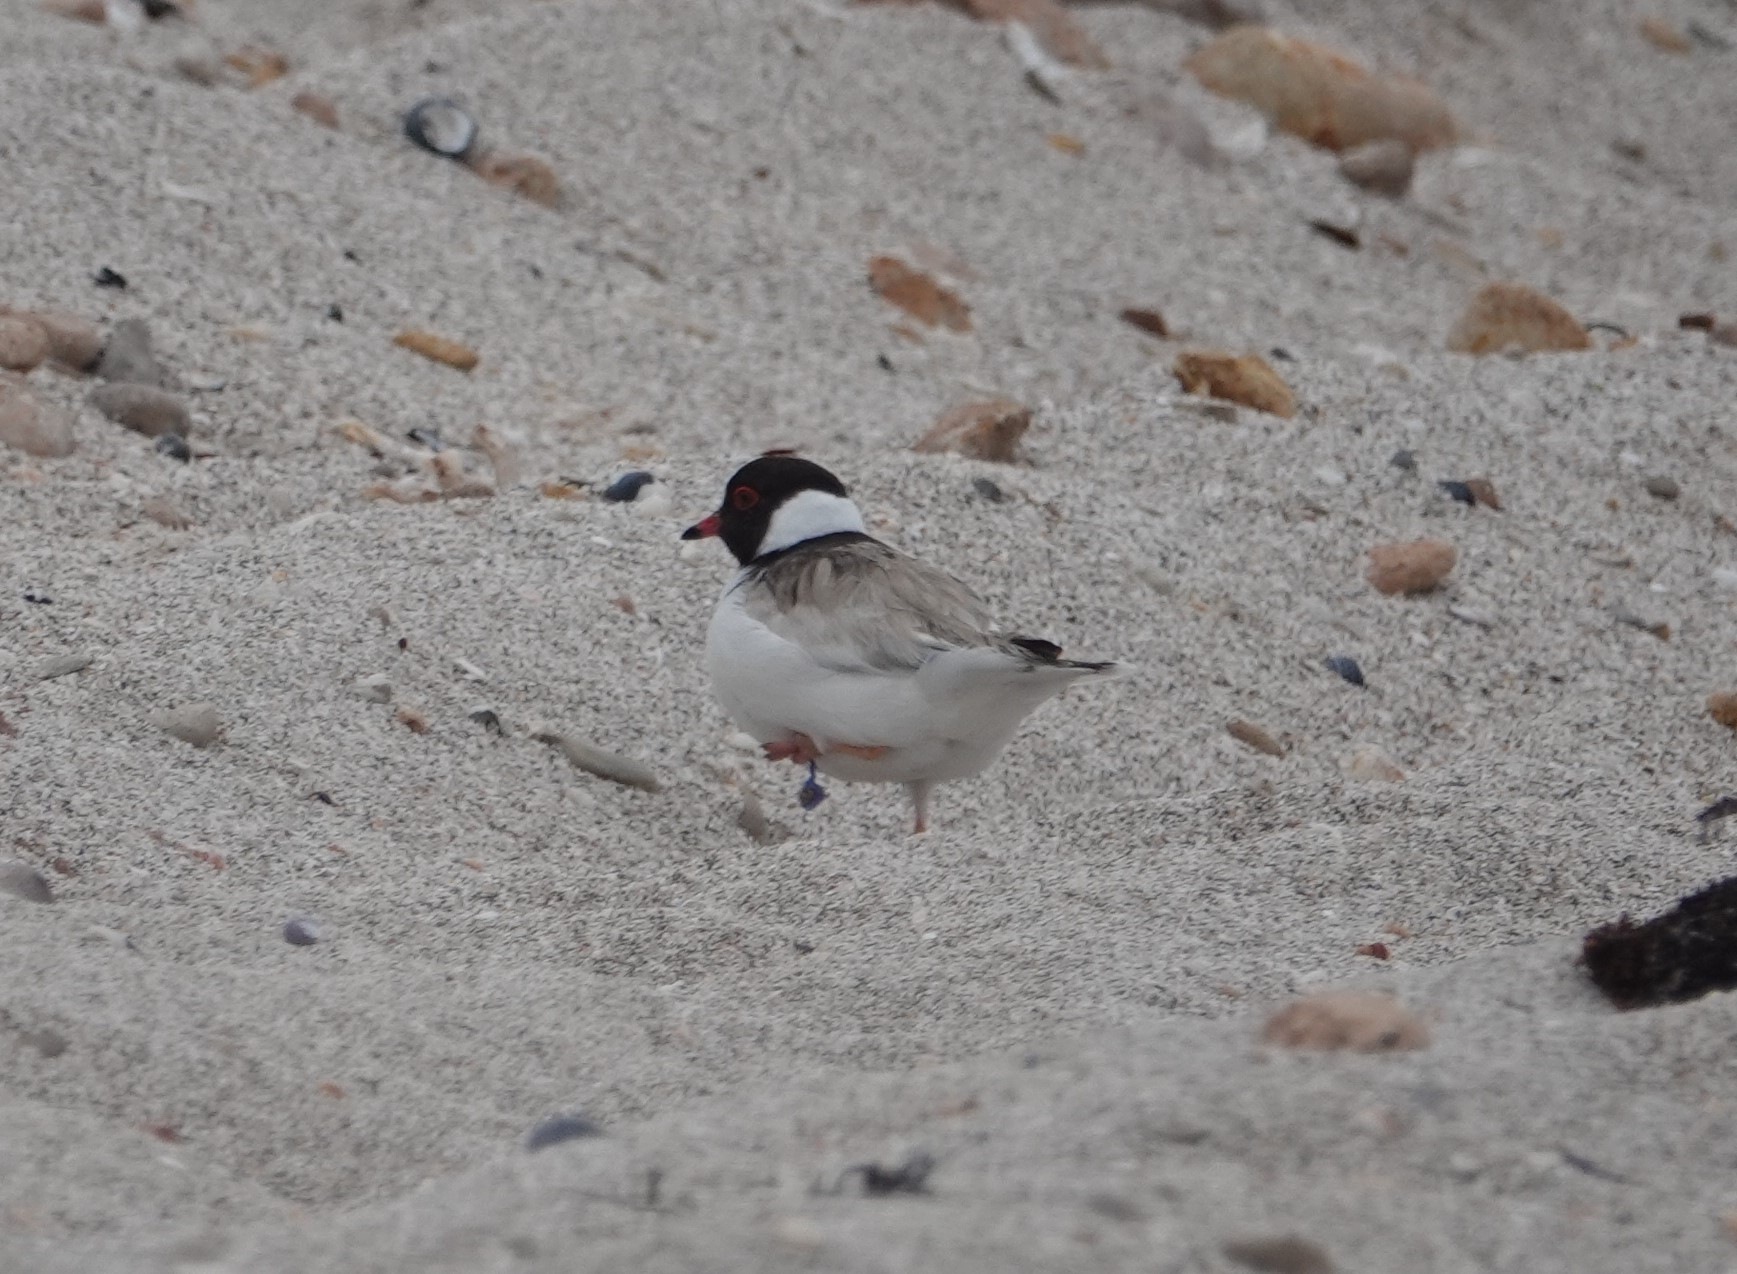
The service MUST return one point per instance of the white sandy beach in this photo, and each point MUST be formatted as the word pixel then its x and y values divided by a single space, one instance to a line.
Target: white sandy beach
pixel 1059 992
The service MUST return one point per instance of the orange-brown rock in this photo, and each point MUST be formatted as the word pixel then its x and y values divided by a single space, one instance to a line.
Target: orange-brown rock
pixel 522 174
pixel 1417 567
pixel 918 295
pixel 322 110
pixel 1239 378
pixel 1722 707
pixel 1504 316
pixel 1321 94
pixel 988 430
pixel 439 349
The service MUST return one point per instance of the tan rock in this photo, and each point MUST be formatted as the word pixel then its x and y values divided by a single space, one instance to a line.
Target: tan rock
pixel 918 295
pixel 1722 707
pixel 1251 735
pixel 1485 493
pixel 74 343
pixel 1505 316
pixel 322 110
pixel 1359 1021
pixel 1239 378
pixel 522 174
pixel 1321 94
pixel 144 409
pixel 1384 166
pixel 23 343
pixel 27 426
pixel 1415 567
pixel 1370 765
pixel 437 348
pixel 1661 33
pixel 988 430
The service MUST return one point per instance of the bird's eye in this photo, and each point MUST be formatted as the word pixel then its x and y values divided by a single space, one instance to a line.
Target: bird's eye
pixel 744 498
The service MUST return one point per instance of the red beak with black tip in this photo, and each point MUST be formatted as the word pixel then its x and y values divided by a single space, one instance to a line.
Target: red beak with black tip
pixel 705 527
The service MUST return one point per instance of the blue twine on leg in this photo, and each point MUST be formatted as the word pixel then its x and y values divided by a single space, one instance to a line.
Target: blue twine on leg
pixel 812 794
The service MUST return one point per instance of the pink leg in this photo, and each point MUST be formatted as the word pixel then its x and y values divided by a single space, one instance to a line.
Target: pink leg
pixel 920 803
pixel 860 751
pixel 798 748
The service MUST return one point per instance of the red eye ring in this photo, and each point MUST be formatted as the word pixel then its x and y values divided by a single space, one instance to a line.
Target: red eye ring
pixel 744 498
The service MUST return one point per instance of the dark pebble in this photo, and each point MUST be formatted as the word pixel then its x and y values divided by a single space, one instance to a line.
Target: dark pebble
pixel 627 487
pixel 1346 667
pixel 1404 459
pixel 1282 354
pixel 884 363
pixel 988 490
pixel 552 1132
pixel 1459 491
pixel 335 313
pixel 38 599
pixel 429 438
pixel 909 1177
pixel 441 125
pixel 1280 1254
pixel 301 932
pixel 107 278
pixel 486 718
pixel 175 447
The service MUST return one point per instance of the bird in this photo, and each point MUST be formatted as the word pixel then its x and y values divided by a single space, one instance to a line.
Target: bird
pixel 837 651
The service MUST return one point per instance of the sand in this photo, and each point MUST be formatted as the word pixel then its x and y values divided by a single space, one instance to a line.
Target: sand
pixel 1059 992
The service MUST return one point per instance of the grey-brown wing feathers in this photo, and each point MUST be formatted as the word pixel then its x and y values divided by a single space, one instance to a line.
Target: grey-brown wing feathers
pixel 857 605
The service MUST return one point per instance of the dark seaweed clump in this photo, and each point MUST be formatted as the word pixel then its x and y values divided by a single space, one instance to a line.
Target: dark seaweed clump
pixel 1681 955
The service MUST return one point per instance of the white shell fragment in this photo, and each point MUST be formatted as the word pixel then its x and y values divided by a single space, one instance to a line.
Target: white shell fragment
pixel 442 126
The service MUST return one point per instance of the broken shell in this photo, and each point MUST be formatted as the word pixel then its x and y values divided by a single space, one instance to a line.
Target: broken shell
pixel 441 125
pixel 194 723
pixel 437 348
pixel 604 764
pixel 1247 379
pixel 987 430
pixel 1247 732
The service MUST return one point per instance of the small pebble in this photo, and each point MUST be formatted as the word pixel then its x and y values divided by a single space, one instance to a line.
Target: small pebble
pixel 62 666
pixel 441 125
pixel 175 447
pixel 23 881
pixel 107 278
pixel 423 437
pixel 376 688
pixel 194 723
pixel 603 763
pixel 1459 491
pixel 752 820
pixel 1722 707
pixel 627 487
pixel 1369 765
pixel 301 931
pixel 1384 166
pixel 488 720
pixel 1663 488
pixel 143 408
pixel 23 343
pixel 908 1177
pixel 988 490
pixel 128 357
pixel 322 110
pixel 552 1132
pixel 1484 492
pixel 1404 459
pixel 1346 667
